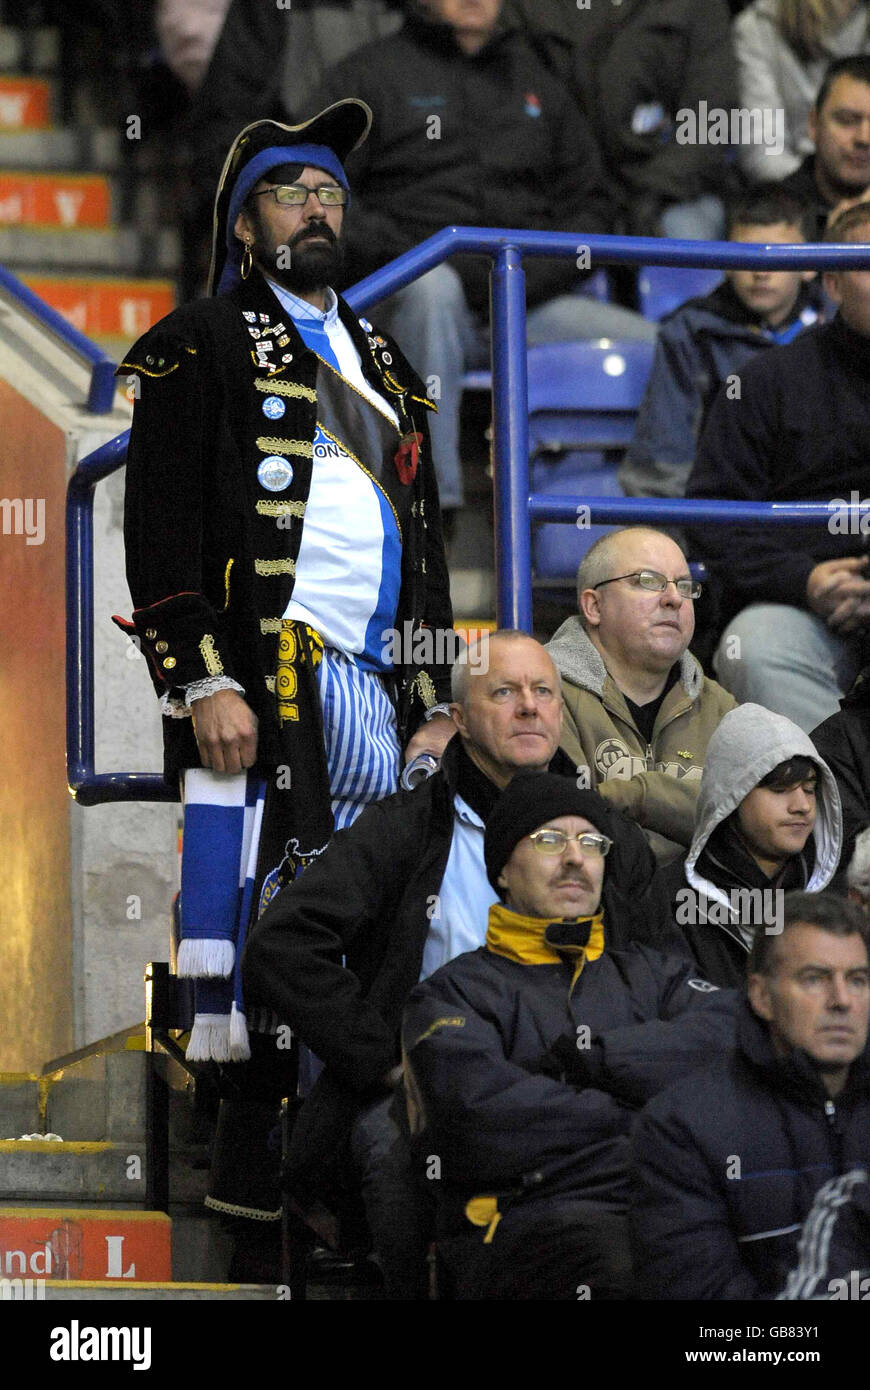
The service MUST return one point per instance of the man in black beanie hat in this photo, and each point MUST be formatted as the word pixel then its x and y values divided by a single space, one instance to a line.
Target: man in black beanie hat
pixel 526 1059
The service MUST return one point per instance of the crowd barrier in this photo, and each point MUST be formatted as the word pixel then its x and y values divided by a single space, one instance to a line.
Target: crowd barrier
pixel 515 507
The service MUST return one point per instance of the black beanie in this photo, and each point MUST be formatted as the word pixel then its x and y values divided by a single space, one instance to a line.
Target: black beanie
pixel 528 802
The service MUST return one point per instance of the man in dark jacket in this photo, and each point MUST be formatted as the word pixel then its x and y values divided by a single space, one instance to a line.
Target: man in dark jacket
pixel 395 896
pixel 637 67
pixel 526 1058
pixel 745 1172
pixel 794 601
pixel 471 127
pixel 844 743
pixel 707 340
pixel 839 124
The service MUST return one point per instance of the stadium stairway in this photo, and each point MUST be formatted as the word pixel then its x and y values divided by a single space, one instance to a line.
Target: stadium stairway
pixel 72 1217
pixel 70 194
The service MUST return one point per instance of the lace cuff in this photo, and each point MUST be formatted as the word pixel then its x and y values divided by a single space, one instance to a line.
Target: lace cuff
pixel 173 708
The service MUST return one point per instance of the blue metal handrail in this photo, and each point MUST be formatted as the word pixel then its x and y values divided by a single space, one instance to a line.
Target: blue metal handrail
pixel 101 393
pixel 515 506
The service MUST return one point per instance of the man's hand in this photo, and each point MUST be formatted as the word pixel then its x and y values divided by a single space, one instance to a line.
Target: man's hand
pixel 226 731
pixel 432 737
pixel 838 591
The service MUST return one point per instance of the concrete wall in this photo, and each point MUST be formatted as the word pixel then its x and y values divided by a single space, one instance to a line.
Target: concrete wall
pixel 86 891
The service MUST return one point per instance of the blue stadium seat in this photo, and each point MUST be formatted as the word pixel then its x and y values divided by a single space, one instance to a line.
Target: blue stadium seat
pixel 662 288
pixel 583 401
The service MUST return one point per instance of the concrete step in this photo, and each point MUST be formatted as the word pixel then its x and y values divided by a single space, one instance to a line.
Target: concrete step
pixel 54 200
pixel 100 1098
pixel 31 50
pixel 97 148
pixel 64 1243
pixel 112 311
pixel 66 1171
pixel 121 251
pixel 22 1105
pixel 25 103
pixel 94 1290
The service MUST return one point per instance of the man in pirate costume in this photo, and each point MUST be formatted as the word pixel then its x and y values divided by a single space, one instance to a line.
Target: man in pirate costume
pixel 282 520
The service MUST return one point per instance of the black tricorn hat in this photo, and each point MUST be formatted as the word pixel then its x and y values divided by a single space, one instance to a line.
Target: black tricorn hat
pixel 337 130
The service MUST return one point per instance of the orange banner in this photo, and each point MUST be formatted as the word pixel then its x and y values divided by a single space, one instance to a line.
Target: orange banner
pixel 130 1246
pixel 25 103
pixel 54 200
pixel 106 308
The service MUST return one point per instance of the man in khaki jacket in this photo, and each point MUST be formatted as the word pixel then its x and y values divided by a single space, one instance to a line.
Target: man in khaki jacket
pixel 639 710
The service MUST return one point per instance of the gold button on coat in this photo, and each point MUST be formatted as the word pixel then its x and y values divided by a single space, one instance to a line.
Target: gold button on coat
pixel 169 663
pixel 151 633
pixel 161 646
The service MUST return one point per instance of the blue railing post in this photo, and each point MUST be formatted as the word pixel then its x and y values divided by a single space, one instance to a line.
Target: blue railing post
pixel 510 444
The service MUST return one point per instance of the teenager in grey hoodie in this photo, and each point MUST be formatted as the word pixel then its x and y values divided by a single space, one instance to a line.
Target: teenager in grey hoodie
pixel 768 820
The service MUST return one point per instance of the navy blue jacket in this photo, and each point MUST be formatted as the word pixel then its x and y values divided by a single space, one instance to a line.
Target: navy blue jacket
pixel 727 1165
pixel 800 430
pixel 700 345
pixel 477 1033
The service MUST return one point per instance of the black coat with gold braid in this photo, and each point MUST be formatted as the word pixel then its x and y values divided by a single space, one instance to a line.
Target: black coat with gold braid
pixel 210 551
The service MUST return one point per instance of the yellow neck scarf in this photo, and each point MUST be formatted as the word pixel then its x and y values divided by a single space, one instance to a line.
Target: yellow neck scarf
pixel 526 940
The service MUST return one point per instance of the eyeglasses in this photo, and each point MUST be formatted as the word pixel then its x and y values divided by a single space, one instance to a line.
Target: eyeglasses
pixel 654 582
pixel 296 195
pixel 556 842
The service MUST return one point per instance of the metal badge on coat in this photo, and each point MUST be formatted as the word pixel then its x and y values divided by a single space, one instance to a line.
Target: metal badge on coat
pixel 275 473
pixel 274 407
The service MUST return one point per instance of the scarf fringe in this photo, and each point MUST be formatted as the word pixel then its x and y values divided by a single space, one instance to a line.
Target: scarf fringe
pixel 240 1047
pixel 204 958
pixel 210 1039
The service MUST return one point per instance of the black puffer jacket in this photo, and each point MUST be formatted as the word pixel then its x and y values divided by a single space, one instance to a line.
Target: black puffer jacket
pixel 728 1164
pixel 476 1036
pixel 336 954
pixel 494 139
pixel 844 743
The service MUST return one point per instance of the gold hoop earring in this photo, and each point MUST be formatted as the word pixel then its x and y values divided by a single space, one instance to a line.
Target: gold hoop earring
pixel 247 261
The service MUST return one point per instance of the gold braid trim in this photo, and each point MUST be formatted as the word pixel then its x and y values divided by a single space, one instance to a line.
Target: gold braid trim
pixel 213 663
pixel 425 687
pixel 271 444
pixel 268 625
pixel 285 388
pixel 424 400
pixel 271 567
pixel 230 564
pixel 266 508
pixel 143 371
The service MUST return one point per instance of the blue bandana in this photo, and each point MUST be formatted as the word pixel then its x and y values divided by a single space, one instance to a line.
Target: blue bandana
pixel 317 156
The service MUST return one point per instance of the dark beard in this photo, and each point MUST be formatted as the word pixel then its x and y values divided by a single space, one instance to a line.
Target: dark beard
pixel 313 264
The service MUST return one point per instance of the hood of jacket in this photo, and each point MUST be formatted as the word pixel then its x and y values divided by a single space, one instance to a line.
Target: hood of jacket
pixel 749 742
pixel 581 663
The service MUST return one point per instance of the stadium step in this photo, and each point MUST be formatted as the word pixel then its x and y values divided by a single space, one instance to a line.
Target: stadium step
pixel 80 1290
pixel 33 50
pixel 76 1243
pixel 54 200
pixel 114 312
pixel 117 251
pixel 26 103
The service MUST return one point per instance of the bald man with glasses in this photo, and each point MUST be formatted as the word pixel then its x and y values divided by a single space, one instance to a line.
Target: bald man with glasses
pixel 639 710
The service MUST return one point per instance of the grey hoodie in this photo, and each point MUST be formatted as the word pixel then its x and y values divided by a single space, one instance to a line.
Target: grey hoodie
pixel 748 744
